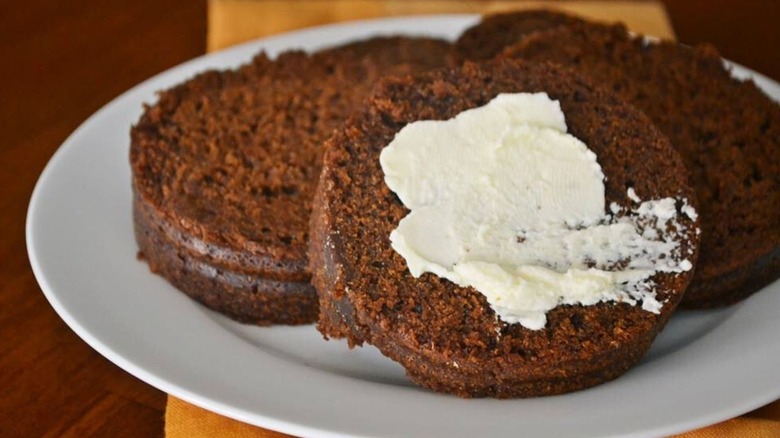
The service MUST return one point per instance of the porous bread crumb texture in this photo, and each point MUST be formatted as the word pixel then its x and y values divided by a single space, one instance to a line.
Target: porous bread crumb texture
pixel 447 337
pixel 727 131
pixel 225 166
pixel 494 32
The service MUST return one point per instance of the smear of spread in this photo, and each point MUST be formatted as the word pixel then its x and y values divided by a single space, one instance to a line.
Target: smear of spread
pixel 503 200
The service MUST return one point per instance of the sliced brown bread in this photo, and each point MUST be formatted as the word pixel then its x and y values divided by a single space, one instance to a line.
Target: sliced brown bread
pixel 447 337
pixel 225 165
pixel 494 32
pixel 727 131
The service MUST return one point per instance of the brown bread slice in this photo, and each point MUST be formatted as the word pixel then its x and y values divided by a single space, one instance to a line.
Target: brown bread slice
pixel 447 337
pixel 491 35
pixel 225 165
pixel 727 131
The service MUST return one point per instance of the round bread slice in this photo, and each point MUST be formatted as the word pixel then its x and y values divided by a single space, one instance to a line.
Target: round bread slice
pixel 494 32
pixel 447 337
pixel 225 165
pixel 727 131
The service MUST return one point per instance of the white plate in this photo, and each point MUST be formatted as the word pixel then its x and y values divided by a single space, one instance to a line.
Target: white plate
pixel 706 366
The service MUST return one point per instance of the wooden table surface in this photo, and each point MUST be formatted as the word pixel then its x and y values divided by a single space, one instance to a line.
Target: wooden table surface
pixel 61 61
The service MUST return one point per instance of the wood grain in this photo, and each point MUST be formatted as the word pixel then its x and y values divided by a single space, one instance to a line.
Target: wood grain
pixel 61 62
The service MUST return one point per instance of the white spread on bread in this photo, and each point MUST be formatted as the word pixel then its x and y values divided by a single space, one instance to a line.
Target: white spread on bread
pixel 504 200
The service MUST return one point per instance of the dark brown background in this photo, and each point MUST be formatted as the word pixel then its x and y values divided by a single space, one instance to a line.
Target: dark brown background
pixel 60 61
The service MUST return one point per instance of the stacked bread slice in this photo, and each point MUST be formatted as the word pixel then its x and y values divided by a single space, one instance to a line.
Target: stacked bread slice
pixel 726 131
pixel 225 166
pixel 235 205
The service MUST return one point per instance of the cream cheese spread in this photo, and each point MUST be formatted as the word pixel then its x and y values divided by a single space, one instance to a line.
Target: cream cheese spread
pixel 504 200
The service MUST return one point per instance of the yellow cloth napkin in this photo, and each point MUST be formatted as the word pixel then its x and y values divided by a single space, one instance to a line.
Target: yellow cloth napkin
pixel 184 420
pixel 234 21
